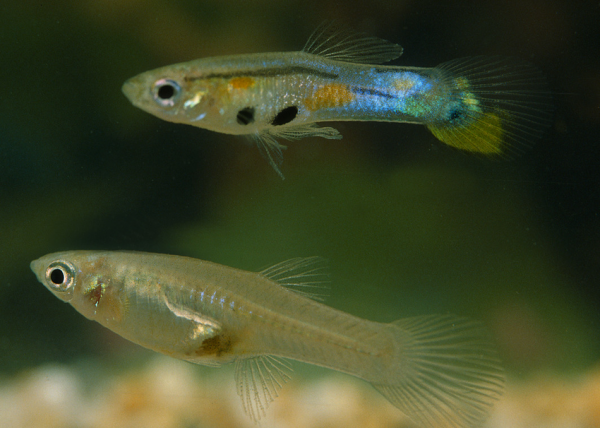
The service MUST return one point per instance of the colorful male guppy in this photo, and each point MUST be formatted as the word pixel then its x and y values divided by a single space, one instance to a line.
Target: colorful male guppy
pixel 486 105
pixel 439 370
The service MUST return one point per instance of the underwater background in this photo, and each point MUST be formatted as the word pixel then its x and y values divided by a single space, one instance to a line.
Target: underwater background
pixel 409 226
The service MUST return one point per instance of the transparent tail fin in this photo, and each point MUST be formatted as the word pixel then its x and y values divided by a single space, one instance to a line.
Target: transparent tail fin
pixel 446 372
pixel 497 105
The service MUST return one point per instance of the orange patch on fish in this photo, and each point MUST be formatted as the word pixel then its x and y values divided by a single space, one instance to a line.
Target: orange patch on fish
pixel 241 82
pixel 329 96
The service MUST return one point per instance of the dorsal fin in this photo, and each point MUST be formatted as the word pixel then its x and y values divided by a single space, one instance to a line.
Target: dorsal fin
pixel 307 276
pixel 333 42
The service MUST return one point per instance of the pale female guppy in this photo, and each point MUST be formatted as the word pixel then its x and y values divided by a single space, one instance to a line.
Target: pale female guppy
pixel 440 370
pixel 487 105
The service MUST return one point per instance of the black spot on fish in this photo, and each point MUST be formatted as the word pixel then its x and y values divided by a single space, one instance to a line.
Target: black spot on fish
pixel 455 115
pixel 245 116
pixel 285 116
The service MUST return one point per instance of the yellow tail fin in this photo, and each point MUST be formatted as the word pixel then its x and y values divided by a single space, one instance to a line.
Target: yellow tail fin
pixel 497 105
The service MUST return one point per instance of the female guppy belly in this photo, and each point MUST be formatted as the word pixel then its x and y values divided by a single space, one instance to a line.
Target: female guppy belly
pixel 213 316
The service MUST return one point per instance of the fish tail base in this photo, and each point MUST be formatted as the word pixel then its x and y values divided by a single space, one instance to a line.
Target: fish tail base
pixel 446 373
pixel 496 105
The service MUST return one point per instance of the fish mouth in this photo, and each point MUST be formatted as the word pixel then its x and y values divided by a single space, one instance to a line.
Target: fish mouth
pixel 36 267
pixel 129 88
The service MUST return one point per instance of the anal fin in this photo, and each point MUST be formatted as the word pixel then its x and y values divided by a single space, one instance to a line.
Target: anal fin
pixel 258 381
pixel 271 149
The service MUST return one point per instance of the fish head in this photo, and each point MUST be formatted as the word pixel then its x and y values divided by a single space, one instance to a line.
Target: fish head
pixel 57 274
pixel 83 279
pixel 171 94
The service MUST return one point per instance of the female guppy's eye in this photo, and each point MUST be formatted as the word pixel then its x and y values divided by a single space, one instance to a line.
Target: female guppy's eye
pixel 166 92
pixel 60 276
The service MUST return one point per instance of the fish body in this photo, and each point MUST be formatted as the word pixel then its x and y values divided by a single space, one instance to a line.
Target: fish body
pixel 314 88
pixel 440 370
pixel 487 105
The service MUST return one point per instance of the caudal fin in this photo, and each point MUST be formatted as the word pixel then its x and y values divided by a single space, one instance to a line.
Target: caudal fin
pixel 497 105
pixel 447 374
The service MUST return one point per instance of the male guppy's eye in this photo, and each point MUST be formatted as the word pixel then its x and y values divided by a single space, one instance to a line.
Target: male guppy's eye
pixel 60 276
pixel 166 92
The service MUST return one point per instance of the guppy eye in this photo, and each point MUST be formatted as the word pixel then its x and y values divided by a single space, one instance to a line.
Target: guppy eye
pixel 166 92
pixel 60 276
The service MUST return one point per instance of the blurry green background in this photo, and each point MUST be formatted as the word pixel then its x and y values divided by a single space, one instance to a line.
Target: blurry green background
pixel 409 226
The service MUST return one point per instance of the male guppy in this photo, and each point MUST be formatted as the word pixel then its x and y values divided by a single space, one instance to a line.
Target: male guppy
pixel 440 370
pixel 487 105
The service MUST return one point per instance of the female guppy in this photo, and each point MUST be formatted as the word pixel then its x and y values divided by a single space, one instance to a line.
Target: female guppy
pixel 486 105
pixel 440 370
